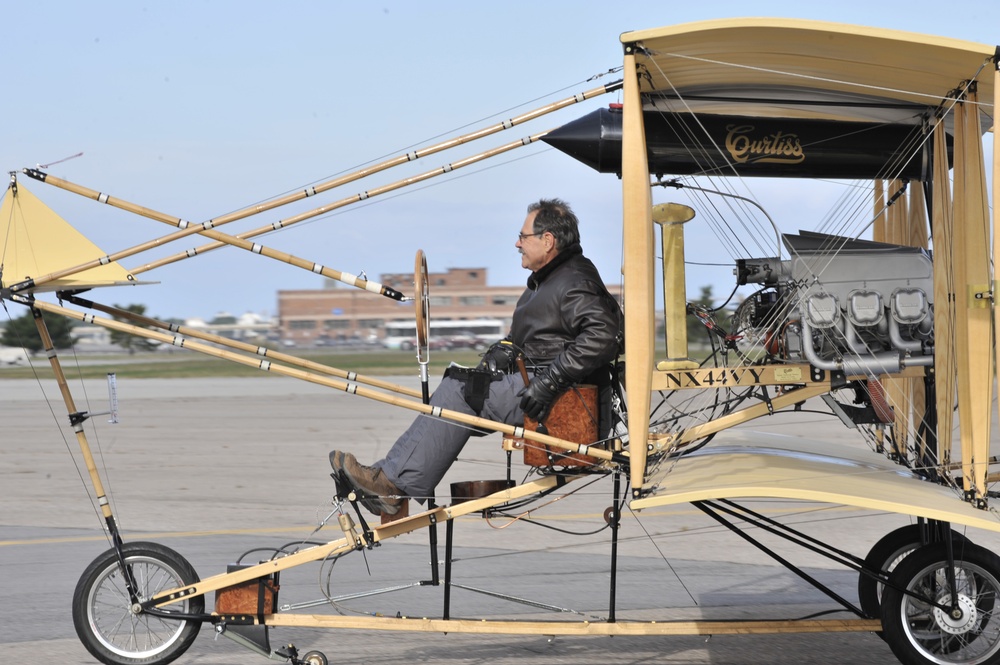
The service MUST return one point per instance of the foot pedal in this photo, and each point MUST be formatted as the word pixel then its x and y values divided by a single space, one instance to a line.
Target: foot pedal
pixel 343 486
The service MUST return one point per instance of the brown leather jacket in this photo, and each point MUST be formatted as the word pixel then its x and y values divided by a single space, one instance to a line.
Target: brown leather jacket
pixel 567 318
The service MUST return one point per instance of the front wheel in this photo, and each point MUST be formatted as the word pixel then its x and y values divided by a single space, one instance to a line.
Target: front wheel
pixel 944 623
pixel 103 611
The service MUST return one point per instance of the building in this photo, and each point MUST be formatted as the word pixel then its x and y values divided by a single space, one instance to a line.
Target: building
pixel 340 314
pixel 249 327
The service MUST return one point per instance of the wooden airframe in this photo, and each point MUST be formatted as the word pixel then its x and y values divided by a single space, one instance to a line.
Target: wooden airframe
pixel 753 69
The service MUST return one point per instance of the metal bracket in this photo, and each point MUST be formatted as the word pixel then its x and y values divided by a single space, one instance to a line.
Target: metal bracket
pixel 78 418
pixel 980 296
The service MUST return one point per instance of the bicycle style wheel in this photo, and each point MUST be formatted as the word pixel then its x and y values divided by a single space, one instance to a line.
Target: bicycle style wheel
pixel 110 627
pixel 944 623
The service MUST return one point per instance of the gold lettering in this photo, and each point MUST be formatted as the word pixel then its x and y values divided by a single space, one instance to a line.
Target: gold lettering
pixel 717 378
pixel 776 148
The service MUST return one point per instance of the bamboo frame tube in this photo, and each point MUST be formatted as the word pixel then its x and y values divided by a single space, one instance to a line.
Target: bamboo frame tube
pixel 186 230
pixel 357 198
pixel 243 346
pixel 207 228
pixel 348 387
pixel 325 186
pixel 382 166
pixel 334 548
pixel 76 418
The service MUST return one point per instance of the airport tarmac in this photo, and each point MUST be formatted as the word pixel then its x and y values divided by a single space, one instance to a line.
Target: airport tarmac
pixel 216 467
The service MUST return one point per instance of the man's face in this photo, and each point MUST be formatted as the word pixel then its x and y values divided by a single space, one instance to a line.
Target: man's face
pixel 536 250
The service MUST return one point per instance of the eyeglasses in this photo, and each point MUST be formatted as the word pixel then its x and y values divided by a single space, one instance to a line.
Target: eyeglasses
pixel 522 236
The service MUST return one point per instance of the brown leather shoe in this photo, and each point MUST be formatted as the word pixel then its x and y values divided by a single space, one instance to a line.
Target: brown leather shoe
pixel 340 476
pixel 379 495
pixel 337 460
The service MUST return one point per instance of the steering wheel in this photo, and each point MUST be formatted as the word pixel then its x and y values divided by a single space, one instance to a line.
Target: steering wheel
pixel 423 306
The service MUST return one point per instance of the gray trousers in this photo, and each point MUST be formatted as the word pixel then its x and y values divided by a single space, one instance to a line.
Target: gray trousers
pixel 418 460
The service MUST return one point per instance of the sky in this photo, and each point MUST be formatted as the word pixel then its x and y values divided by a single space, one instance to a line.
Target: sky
pixel 199 108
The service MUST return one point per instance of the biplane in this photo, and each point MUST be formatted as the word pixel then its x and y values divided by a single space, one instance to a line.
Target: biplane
pixel 885 315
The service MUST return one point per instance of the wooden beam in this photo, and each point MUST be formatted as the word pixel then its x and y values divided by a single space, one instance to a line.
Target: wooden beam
pixel 579 628
pixel 974 315
pixel 944 297
pixel 638 271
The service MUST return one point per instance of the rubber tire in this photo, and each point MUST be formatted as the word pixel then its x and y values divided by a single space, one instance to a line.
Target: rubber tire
pixel 912 631
pixel 157 568
pixel 315 658
pixel 885 555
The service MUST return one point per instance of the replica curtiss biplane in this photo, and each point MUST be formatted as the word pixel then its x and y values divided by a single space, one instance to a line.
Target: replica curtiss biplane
pixel 886 316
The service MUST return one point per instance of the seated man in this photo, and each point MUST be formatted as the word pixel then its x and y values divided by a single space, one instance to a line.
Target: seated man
pixel 567 326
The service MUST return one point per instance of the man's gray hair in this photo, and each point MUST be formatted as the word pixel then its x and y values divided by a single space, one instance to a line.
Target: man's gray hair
pixel 556 217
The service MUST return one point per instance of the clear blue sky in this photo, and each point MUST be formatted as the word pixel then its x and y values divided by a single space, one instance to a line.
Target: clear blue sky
pixel 199 108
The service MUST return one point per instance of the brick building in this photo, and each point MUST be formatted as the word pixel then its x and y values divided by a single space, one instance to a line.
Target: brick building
pixel 339 314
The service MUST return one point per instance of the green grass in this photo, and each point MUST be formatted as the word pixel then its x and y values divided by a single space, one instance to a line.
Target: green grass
pixel 186 364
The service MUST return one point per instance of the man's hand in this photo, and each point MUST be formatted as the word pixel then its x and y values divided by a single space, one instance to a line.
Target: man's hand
pixel 542 392
pixel 499 357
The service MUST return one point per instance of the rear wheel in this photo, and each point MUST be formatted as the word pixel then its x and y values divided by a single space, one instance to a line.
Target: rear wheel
pixel 944 623
pixel 112 629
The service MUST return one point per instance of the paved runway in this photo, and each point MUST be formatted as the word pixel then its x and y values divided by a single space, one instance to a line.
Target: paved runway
pixel 216 467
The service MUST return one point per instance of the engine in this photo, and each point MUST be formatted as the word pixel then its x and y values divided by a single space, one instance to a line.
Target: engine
pixel 840 304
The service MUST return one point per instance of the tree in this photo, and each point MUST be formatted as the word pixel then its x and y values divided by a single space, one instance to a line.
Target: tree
pixel 127 341
pixel 21 332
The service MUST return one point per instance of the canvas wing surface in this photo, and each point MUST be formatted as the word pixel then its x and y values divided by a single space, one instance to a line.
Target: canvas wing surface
pixel 757 468
pixel 35 241
pixel 792 68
